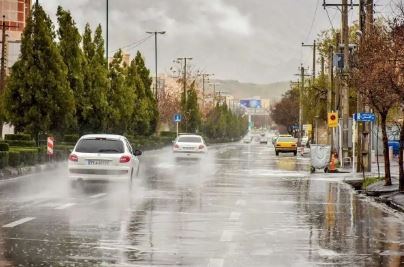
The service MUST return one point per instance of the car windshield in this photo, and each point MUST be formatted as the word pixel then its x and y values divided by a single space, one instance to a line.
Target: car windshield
pixel 189 139
pixel 100 145
pixel 286 139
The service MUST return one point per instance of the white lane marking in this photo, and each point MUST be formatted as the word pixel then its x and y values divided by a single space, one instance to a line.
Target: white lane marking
pixel 234 216
pixel 98 195
pixel 240 202
pixel 65 206
pixel 21 221
pixel 227 236
pixel 216 262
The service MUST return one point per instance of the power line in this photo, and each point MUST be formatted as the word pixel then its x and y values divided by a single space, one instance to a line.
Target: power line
pixel 329 19
pixel 134 44
pixel 314 19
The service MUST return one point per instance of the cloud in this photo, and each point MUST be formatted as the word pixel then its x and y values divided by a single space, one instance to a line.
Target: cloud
pixel 247 40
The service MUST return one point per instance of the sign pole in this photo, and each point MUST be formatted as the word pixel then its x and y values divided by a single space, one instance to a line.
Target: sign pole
pixel 353 143
pixel 177 128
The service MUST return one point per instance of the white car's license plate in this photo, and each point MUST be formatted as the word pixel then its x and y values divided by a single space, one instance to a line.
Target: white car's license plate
pixel 97 162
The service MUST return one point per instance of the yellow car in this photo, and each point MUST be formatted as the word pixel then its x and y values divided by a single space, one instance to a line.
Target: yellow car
pixel 286 144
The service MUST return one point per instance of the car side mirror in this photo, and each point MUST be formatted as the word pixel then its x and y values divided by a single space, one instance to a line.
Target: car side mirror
pixel 137 153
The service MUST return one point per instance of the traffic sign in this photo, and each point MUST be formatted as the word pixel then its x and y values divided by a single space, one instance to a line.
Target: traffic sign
pixel 332 119
pixel 50 145
pixel 339 60
pixel 177 118
pixel 364 117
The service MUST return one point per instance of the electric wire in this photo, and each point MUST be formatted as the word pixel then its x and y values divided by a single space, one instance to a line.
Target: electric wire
pixel 329 19
pixel 313 20
pixel 134 44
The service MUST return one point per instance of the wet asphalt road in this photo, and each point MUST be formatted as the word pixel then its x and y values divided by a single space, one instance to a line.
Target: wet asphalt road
pixel 241 206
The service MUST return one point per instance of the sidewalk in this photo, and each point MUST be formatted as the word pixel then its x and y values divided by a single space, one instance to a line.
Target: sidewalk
pixel 12 173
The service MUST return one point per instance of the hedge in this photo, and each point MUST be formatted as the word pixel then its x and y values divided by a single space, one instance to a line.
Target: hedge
pixel 168 134
pixel 3 159
pixel 19 137
pixel 4 146
pixel 71 138
pixel 21 143
pixel 14 159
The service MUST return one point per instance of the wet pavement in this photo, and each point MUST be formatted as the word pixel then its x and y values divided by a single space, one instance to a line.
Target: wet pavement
pixel 240 206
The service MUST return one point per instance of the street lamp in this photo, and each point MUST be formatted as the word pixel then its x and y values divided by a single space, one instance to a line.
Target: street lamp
pixel 204 75
pixel 155 55
pixel 185 59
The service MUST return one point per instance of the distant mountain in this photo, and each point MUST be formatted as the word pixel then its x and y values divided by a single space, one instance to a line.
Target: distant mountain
pixel 241 90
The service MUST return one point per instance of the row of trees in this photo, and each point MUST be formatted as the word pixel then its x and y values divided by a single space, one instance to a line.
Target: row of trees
pixel 376 75
pixel 68 86
pixel 62 83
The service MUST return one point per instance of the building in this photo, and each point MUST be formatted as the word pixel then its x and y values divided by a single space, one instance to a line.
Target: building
pixel 15 14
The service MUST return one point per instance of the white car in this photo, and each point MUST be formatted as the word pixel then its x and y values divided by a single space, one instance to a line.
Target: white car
pixel 103 157
pixel 189 146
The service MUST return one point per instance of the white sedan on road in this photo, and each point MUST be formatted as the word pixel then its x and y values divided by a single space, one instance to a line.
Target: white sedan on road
pixel 103 157
pixel 189 146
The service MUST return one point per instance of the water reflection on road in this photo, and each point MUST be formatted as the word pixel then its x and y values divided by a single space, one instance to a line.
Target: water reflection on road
pixel 239 206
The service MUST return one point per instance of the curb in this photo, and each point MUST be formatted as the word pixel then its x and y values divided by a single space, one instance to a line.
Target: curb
pixel 12 173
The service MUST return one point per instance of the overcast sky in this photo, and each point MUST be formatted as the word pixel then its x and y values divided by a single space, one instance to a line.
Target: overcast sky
pixel 247 40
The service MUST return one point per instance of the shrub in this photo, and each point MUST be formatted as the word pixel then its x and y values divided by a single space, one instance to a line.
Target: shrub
pixel 21 143
pixel 3 159
pixel 71 138
pixel 4 146
pixel 14 158
pixel 28 157
pixel 20 137
pixel 168 134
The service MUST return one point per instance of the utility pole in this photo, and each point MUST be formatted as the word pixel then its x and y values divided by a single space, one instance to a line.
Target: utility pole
pixel 314 58
pixel 366 130
pixel 155 58
pixel 204 76
pixel 301 89
pixel 106 30
pixel 3 56
pixel 345 89
pixel 185 59
pixel 330 92
pixel 3 53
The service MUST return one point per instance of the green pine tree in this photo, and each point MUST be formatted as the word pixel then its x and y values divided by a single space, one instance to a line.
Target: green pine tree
pixel 152 109
pixel 140 123
pixel 193 114
pixel 96 109
pixel 120 97
pixel 69 47
pixel 38 98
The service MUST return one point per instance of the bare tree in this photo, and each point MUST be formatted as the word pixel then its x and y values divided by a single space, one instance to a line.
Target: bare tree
pixel 374 74
pixel 397 47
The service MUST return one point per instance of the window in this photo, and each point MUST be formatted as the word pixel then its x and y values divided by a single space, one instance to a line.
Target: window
pixel 100 145
pixel 190 139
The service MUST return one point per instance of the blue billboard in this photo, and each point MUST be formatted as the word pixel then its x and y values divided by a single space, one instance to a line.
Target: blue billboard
pixel 251 103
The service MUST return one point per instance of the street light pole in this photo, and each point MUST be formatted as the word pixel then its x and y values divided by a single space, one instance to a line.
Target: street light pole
pixel 185 75
pixel 155 58
pixel 204 76
pixel 106 29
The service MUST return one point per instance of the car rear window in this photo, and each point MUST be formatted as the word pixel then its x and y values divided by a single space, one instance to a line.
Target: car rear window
pixel 286 139
pixel 190 139
pixel 100 145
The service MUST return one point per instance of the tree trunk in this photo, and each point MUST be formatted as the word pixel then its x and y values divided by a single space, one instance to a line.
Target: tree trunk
pixel 387 175
pixel 401 160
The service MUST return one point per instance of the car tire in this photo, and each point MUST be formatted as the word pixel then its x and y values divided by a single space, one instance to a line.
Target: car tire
pixel 277 153
pixel 312 169
pixel 295 153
